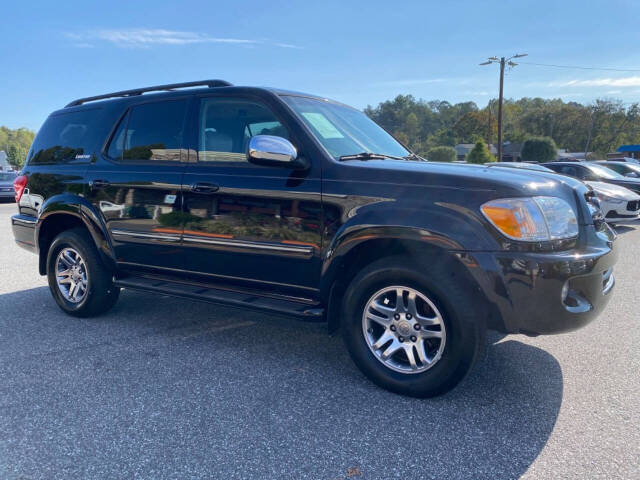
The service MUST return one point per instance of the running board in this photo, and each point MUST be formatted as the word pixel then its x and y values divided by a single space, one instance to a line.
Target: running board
pixel 304 309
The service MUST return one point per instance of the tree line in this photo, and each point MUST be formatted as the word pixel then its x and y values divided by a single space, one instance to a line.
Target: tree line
pixel 600 127
pixel 16 144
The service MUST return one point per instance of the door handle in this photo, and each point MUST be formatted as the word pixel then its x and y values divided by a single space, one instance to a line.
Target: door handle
pixel 97 184
pixel 204 188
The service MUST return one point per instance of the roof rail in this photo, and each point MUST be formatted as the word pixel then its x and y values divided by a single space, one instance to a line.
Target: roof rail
pixel 157 88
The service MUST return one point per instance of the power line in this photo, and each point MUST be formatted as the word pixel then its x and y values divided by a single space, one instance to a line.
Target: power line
pixel 582 68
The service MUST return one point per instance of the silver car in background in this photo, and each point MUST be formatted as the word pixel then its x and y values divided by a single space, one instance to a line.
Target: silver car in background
pixel 6 186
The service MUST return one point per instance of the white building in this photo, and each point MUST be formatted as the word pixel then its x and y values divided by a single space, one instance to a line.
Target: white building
pixel 4 163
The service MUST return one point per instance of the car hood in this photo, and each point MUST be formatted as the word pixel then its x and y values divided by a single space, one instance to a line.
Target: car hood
pixel 517 182
pixel 615 191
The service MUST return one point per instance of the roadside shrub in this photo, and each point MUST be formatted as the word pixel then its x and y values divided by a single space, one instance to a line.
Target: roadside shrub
pixel 480 154
pixel 442 154
pixel 539 149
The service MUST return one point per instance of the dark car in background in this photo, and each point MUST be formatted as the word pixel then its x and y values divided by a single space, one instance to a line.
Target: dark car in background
pixel 6 186
pixel 293 204
pixel 626 169
pixel 594 172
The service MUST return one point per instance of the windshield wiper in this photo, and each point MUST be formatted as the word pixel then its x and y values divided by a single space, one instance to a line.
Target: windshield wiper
pixel 414 156
pixel 369 156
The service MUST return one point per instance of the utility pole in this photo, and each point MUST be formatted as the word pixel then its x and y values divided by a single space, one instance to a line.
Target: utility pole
pixel 500 109
pixel 503 61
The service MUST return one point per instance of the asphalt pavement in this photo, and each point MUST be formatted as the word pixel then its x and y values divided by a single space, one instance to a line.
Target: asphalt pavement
pixel 163 388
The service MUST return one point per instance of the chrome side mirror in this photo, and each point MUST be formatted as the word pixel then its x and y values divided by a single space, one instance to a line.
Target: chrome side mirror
pixel 274 151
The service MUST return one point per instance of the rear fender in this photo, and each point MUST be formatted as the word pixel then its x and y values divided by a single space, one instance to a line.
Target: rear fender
pixel 79 208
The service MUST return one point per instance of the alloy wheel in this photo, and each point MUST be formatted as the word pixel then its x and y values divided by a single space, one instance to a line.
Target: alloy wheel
pixel 71 275
pixel 404 329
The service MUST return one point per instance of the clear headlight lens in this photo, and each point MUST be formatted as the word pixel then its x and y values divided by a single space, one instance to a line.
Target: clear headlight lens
pixel 607 198
pixel 532 219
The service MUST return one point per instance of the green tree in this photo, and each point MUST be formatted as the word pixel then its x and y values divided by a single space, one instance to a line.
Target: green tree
pixel 16 155
pixel 442 154
pixel 480 154
pixel 539 149
pixel 474 124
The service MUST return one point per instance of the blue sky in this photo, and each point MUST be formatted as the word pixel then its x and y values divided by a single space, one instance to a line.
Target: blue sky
pixel 358 52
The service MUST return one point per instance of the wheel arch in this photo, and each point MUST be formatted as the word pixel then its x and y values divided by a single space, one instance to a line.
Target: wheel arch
pixel 64 212
pixel 372 243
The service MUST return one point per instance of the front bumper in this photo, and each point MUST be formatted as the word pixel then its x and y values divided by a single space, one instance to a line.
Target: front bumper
pixel 546 293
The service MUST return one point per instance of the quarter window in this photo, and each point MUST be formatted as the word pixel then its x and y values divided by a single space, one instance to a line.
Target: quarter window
pixel 227 125
pixel 150 132
pixel 66 137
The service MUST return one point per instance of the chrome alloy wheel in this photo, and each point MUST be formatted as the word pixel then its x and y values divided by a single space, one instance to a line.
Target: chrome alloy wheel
pixel 71 275
pixel 404 329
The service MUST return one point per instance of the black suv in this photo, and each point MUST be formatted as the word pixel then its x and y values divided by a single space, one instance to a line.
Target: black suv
pixel 292 204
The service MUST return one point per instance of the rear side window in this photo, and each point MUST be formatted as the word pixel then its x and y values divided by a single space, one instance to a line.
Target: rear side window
pixel 150 132
pixel 66 137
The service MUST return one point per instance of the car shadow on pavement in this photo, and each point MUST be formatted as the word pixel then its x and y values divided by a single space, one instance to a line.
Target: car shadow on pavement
pixel 622 229
pixel 167 388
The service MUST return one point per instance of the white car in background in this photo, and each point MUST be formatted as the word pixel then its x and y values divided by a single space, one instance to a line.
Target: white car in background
pixel 618 204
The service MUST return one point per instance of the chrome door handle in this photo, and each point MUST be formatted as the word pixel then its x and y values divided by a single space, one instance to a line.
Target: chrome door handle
pixel 204 188
pixel 97 184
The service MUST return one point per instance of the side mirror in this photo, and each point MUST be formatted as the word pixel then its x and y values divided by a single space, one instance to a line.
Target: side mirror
pixel 275 151
pixel 631 175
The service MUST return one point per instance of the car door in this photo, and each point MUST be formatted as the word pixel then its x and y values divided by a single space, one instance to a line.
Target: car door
pixel 246 222
pixel 136 184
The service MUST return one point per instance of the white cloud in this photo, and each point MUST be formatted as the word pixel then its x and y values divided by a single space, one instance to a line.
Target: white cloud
pixel 633 81
pixel 408 83
pixel 148 37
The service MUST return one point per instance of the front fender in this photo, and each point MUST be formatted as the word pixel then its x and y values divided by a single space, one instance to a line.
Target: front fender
pixel 443 226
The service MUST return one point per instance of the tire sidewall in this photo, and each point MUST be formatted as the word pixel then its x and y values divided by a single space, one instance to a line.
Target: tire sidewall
pixel 459 352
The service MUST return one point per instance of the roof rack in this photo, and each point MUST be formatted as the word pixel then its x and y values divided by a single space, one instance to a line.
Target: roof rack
pixel 157 88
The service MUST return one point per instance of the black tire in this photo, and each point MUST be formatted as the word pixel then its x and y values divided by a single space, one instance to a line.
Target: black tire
pixel 465 327
pixel 101 295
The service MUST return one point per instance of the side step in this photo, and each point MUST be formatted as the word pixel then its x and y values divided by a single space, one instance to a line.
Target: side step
pixel 305 309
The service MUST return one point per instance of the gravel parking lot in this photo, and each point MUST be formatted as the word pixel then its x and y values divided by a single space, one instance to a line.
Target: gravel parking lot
pixel 165 388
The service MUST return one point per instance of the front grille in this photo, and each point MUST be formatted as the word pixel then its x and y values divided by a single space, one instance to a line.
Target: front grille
pixel 633 206
pixel 6 189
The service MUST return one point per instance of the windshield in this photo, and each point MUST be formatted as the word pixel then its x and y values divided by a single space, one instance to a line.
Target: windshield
pixel 605 172
pixel 344 130
pixel 5 177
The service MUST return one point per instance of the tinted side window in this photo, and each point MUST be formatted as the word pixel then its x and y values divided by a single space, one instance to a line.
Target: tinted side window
pixel 154 132
pixel 585 174
pixel 226 125
pixel 116 146
pixel 66 137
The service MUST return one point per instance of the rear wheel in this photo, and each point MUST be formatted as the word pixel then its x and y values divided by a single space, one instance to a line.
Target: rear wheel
pixel 411 332
pixel 78 279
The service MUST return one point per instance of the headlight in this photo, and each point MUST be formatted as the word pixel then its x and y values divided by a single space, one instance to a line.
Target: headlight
pixel 607 198
pixel 532 219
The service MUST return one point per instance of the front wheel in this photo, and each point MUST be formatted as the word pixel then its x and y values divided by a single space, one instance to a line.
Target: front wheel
pixel 411 332
pixel 78 279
